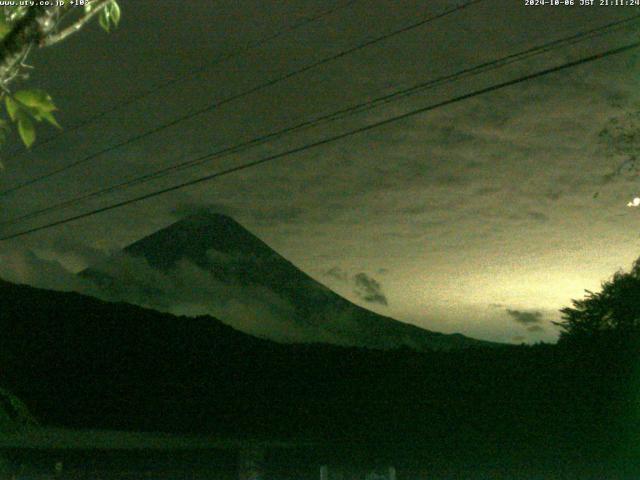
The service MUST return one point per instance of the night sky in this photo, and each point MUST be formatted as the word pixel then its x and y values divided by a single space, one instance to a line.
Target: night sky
pixel 480 217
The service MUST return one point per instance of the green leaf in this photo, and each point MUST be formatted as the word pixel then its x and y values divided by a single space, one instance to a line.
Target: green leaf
pixel 4 27
pixel 48 116
pixel 88 7
pixel 104 20
pixel 115 12
pixel 110 16
pixel 12 107
pixel 36 99
pixel 26 129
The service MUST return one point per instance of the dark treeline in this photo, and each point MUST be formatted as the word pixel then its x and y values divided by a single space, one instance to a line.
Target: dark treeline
pixel 80 362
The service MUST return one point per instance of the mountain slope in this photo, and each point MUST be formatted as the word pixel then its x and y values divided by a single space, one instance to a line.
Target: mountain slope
pixel 286 304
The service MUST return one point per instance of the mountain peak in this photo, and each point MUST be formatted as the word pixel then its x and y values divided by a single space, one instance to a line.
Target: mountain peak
pixel 206 218
pixel 212 221
pixel 194 236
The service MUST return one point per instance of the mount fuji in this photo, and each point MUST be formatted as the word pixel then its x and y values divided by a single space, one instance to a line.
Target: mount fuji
pixel 210 264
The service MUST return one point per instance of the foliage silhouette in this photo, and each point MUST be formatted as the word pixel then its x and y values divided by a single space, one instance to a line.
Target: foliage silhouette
pixel 610 315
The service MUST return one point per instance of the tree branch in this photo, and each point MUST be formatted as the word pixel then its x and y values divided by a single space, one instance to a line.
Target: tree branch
pixel 70 30
pixel 30 30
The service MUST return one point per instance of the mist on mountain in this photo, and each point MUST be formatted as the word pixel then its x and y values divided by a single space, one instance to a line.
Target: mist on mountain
pixel 210 264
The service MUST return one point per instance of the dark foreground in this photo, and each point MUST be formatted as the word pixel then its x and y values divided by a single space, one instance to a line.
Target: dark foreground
pixel 296 465
pixel 549 411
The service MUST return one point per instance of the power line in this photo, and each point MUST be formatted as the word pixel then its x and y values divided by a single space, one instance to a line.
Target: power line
pixel 245 93
pixel 193 73
pixel 330 139
pixel 354 109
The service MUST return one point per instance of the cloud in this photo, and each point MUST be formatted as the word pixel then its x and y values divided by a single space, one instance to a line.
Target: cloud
pixel 369 289
pixel 524 317
pixel 188 209
pixel 284 215
pixel 535 328
pixel 190 290
pixel 538 216
pixel 364 286
pixel 186 289
pixel 337 273
pixel 486 191
pixel 620 136
pixel 23 266
pixel 74 252
pixel 619 140
pixel 553 195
